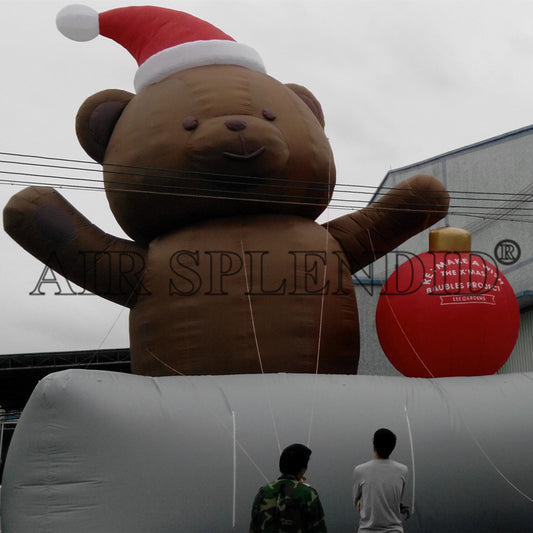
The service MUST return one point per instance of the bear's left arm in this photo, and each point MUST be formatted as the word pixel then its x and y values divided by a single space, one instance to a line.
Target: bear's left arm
pixel 53 231
pixel 412 206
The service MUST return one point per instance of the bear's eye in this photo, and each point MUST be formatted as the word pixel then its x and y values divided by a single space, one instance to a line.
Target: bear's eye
pixel 190 123
pixel 269 114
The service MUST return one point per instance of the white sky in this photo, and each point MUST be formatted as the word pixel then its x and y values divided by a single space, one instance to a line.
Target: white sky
pixel 399 81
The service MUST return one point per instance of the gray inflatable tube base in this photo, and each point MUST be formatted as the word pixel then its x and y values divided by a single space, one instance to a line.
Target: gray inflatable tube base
pixel 103 452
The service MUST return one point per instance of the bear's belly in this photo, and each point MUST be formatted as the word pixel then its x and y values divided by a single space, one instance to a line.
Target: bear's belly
pixel 245 295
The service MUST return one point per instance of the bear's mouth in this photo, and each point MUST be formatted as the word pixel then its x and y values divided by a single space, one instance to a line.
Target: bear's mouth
pixel 246 156
pixel 237 161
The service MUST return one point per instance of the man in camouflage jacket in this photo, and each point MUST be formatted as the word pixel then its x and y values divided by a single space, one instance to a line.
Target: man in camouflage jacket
pixel 288 505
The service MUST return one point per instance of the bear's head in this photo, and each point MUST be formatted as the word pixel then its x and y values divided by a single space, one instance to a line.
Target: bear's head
pixel 206 142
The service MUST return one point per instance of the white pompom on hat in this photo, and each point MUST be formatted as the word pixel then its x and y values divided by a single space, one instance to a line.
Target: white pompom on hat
pixel 162 41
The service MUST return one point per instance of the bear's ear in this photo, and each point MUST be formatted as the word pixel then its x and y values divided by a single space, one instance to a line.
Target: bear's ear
pixel 309 99
pixel 96 120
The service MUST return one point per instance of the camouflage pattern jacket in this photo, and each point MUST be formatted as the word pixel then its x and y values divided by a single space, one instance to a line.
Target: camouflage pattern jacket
pixel 287 506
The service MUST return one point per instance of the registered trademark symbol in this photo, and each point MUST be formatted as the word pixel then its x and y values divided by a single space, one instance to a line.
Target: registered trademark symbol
pixel 507 252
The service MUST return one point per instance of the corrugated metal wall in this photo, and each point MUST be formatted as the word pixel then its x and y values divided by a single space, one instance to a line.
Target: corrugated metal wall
pixel 521 358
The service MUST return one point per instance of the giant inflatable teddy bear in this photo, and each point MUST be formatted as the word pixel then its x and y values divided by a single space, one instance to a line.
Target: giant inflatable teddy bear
pixel 217 172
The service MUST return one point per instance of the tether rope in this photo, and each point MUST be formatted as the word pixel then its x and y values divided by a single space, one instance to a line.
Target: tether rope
pixel 258 350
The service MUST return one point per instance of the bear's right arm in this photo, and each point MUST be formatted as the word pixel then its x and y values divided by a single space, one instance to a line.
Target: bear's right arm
pixel 56 233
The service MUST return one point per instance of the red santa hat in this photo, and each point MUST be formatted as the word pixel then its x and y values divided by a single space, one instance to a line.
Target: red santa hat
pixel 162 41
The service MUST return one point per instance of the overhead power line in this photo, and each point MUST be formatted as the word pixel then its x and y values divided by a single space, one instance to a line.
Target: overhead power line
pixel 481 204
pixel 186 173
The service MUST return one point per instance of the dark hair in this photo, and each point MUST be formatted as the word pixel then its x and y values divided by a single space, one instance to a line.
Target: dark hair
pixel 293 459
pixel 384 442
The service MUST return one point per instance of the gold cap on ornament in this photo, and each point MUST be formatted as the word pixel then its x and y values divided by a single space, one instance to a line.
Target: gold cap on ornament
pixel 450 240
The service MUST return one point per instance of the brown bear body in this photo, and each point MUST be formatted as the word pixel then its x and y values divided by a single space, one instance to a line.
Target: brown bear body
pixel 245 295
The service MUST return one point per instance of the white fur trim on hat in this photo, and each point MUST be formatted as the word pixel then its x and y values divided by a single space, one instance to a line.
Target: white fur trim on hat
pixel 196 54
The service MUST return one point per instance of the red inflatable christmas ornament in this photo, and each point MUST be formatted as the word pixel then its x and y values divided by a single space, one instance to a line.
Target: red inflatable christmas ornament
pixel 447 312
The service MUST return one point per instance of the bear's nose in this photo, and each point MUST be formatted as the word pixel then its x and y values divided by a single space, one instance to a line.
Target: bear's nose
pixel 235 124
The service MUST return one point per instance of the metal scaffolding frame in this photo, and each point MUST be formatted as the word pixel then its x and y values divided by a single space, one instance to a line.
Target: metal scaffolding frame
pixel 59 360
